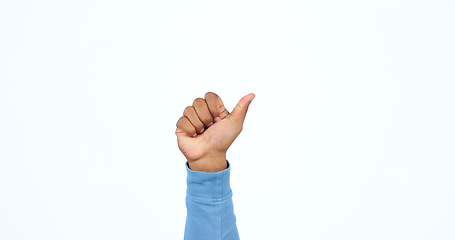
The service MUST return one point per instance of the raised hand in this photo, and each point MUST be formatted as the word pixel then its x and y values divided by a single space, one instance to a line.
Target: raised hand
pixel 206 131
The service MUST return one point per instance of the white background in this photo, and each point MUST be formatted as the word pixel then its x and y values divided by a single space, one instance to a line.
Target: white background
pixel 350 136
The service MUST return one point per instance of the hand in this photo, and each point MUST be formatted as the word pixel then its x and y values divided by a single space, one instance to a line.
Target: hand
pixel 206 131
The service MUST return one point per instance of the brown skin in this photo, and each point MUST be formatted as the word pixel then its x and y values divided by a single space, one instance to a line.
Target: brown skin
pixel 206 131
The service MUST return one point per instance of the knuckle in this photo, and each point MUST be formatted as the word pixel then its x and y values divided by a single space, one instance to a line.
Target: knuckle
pixel 187 110
pixel 210 94
pixel 180 121
pixel 198 101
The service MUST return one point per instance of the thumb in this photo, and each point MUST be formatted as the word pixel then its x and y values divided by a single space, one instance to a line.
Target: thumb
pixel 238 114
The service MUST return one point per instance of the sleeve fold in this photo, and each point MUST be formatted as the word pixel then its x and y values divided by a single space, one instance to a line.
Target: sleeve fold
pixel 208 187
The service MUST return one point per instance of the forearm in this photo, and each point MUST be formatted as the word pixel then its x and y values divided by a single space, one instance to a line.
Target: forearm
pixel 210 211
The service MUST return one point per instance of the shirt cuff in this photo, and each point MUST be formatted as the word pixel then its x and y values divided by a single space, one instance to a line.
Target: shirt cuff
pixel 208 186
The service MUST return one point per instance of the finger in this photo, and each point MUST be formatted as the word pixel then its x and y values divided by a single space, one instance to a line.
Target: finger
pixel 191 114
pixel 202 110
pixel 216 106
pixel 185 128
pixel 240 110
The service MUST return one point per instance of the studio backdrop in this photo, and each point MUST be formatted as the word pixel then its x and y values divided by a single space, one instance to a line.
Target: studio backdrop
pixel 351 134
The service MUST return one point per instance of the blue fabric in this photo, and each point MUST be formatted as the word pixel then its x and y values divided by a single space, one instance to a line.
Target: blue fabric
pixel 210 211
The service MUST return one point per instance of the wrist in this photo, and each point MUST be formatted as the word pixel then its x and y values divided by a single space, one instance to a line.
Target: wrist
pixel 214 162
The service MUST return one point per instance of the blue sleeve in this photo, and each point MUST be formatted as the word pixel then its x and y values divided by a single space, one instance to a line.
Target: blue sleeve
pixel 210 211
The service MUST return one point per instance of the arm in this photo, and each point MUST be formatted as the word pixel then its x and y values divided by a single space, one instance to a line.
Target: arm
pixel 210 211
pixel 204 134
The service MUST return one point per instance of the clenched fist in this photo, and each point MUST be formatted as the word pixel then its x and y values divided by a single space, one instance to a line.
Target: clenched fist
pixel 207 129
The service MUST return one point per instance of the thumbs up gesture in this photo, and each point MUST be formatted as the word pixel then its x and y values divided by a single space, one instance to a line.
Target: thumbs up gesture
pixel 206 131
